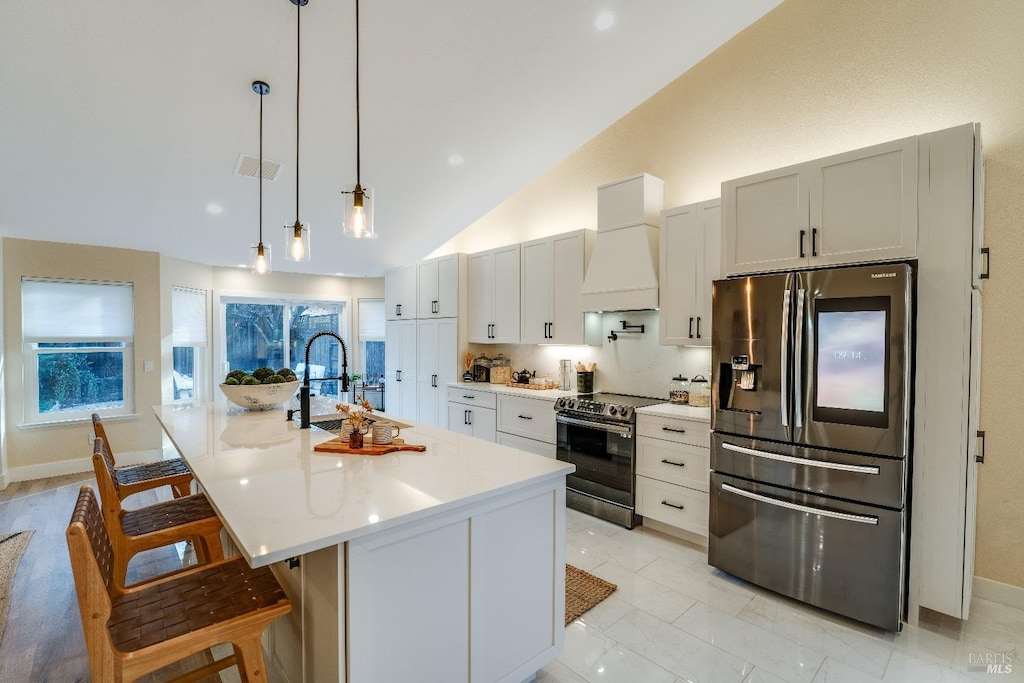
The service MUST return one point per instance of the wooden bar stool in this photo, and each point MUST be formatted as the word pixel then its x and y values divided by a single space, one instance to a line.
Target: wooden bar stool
pixel 189 518
pixel 134 478
pixel 130 632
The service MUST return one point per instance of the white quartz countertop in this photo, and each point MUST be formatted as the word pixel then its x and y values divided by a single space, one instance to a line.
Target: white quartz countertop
pixel 279 498
pixel 676 410
pixel 545 394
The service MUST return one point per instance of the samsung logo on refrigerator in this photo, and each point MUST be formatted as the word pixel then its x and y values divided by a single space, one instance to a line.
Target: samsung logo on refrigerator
pixel 875 276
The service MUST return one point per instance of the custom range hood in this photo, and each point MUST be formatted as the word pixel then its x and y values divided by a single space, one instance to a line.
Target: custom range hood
pixel 623 270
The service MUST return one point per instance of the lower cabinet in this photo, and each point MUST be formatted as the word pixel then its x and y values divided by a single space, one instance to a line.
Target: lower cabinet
pixel 473 413
pixel 529 445
pixel 673 458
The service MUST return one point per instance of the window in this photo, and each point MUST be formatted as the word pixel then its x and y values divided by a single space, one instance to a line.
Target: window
pixel 188 342
pixel 264 333
pixel 371 340
pixel 78 339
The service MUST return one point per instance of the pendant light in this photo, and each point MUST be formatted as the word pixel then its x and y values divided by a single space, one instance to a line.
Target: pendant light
pixel 261 252
pixel 296 237
pixel 358 199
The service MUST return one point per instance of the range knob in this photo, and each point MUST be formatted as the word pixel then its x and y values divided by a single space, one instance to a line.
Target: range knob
pixel 613 410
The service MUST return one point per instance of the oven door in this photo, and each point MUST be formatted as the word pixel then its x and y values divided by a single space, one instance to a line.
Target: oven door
pixel 603 455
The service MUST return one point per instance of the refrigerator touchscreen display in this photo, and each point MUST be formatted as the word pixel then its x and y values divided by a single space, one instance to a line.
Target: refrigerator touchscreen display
pixel 851 360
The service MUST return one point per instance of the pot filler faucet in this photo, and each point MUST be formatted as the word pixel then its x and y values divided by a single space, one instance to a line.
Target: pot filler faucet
pixel 304 389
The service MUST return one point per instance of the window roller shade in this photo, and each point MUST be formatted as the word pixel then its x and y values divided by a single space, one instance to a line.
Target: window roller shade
pixel 54 311
pixel 188 317
pixel 371 319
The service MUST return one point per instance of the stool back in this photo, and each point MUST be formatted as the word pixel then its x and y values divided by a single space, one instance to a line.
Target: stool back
pixel 110 491
pixel 100 432
pixel 92 562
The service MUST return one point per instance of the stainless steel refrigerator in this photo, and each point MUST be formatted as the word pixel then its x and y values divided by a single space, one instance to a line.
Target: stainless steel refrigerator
pixel 811 419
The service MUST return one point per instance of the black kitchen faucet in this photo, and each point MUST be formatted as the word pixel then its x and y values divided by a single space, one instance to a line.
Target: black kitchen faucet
pixel 304 389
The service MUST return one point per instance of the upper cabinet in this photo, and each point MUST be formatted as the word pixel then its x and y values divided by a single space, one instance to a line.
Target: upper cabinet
pixel 400 293
pixel 855 207
pixel 690 260
pixel 439 286
pixel 552 279
pixel 494 296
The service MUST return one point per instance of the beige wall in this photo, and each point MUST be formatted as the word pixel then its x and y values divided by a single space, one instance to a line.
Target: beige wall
pixel 816 77
pixel 38 445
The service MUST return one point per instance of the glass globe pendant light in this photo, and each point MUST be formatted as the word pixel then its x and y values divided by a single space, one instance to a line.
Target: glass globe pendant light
pixel 358 222
pixel 296 237
pixel 260 251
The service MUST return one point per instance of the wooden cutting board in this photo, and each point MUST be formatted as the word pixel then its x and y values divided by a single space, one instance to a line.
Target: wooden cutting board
pixel 340 445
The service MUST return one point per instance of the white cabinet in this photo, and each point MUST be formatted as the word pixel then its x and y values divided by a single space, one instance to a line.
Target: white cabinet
pixel 672 464
pixel 472 412
pixel 436 366
pixel 552 280
pixel 494 296
pixel 400 293
pixel 855 207
pixel 531 418
pixel 400 368
pixel 438 285
pixel 691 253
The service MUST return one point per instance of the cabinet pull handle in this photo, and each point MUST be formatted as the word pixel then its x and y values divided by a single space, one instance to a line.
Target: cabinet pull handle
pixel 465 417
pixel 814 241
pixel 398 375
pixel 690 332
pixel 985 255
pixel 469 417
pixel 671 505
pixel 698 327
pixel 803 234
pixel 398 310
pixel 979 454
pixel 670 429
pixel 471 398
pixel 525 417
pixel 672 462
pixel 433 381
pixel 434 308
pixel 551 330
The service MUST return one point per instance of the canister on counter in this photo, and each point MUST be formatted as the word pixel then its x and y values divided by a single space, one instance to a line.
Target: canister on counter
pixel 501 370
pixel 679 390
pixel 700 392
pixel 482 368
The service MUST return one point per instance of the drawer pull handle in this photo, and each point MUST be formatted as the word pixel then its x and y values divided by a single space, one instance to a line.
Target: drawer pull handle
pixel 471 398
pixel 670 429
pixel 677 507
pixel 670 462
pixel 525 417
pixel 805 462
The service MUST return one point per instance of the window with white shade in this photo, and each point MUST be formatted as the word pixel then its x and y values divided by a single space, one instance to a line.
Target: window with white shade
pixel 188 342
pixel 78 338
pixel 371 340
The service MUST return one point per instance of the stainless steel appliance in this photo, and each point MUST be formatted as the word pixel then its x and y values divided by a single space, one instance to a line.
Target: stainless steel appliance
pixel 811 420
pixel 595 433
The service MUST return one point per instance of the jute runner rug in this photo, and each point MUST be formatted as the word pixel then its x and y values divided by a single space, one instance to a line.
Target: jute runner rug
pixel 583 590
pixel 12 546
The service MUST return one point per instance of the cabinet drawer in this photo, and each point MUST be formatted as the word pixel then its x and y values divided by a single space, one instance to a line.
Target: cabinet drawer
pixel 528 445
pixel 674 463
pixel 693 432
pixel 533 418
pixel 472 397
pixel 661 501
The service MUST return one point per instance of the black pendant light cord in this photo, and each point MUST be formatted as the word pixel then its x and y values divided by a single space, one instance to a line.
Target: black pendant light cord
pixel 358 165
pixel 261 171
pixel 298 84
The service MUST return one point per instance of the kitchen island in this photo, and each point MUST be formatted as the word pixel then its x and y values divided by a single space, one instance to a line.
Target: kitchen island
pixel 446 565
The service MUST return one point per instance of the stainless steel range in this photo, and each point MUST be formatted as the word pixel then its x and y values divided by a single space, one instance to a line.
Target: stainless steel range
pixel 595 433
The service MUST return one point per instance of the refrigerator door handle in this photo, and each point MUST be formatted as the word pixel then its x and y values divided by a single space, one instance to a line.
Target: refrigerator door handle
pixel 861 519
pixel 786 296
pixel 860 469
pixel 798 357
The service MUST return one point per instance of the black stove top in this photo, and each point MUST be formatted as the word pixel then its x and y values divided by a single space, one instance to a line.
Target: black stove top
pixel 605 406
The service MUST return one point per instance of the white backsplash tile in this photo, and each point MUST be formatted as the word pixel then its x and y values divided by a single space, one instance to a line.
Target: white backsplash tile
pixel 634 364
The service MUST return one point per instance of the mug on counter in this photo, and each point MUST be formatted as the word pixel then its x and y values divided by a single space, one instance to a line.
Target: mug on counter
pixel 384 433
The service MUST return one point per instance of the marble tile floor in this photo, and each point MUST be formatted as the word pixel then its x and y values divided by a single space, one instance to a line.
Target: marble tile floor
pixel 675 619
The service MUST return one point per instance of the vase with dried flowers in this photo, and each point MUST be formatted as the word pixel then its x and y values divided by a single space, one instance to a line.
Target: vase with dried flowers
pixel 358 417
pixel 467 363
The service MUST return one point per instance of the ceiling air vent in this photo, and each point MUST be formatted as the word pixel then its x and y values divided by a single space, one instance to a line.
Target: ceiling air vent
pixel 250 167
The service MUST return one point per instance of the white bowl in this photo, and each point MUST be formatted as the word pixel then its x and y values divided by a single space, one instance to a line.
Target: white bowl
pixel 259 396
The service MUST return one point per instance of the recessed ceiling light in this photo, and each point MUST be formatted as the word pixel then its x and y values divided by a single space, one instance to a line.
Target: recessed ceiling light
pixel 456 160
pixel 214 209
pixel 604 21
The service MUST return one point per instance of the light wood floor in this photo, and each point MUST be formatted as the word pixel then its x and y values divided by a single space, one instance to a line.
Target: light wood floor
pixel 43 640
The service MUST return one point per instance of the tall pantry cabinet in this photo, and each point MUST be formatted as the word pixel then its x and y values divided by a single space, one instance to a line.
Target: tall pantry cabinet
pixel 421 354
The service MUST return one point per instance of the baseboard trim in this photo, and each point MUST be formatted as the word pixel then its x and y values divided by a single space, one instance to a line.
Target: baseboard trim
pixel 1003 593
pixel 78 465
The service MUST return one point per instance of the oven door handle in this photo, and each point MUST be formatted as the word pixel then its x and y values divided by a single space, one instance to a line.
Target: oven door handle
pixel 860 519
pixel 860 469
pixel 614 429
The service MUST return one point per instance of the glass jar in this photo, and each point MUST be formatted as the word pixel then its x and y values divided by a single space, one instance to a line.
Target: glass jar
pixel 679 390
pixel 482 368
pixel 700 392
pixel 501 370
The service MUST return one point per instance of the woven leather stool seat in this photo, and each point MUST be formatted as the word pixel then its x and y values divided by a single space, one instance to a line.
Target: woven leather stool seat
pixel 131 479
pixel 161 516
pixel 135 630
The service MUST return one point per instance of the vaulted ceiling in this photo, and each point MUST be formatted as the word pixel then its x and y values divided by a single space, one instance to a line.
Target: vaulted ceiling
pixel 121 122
